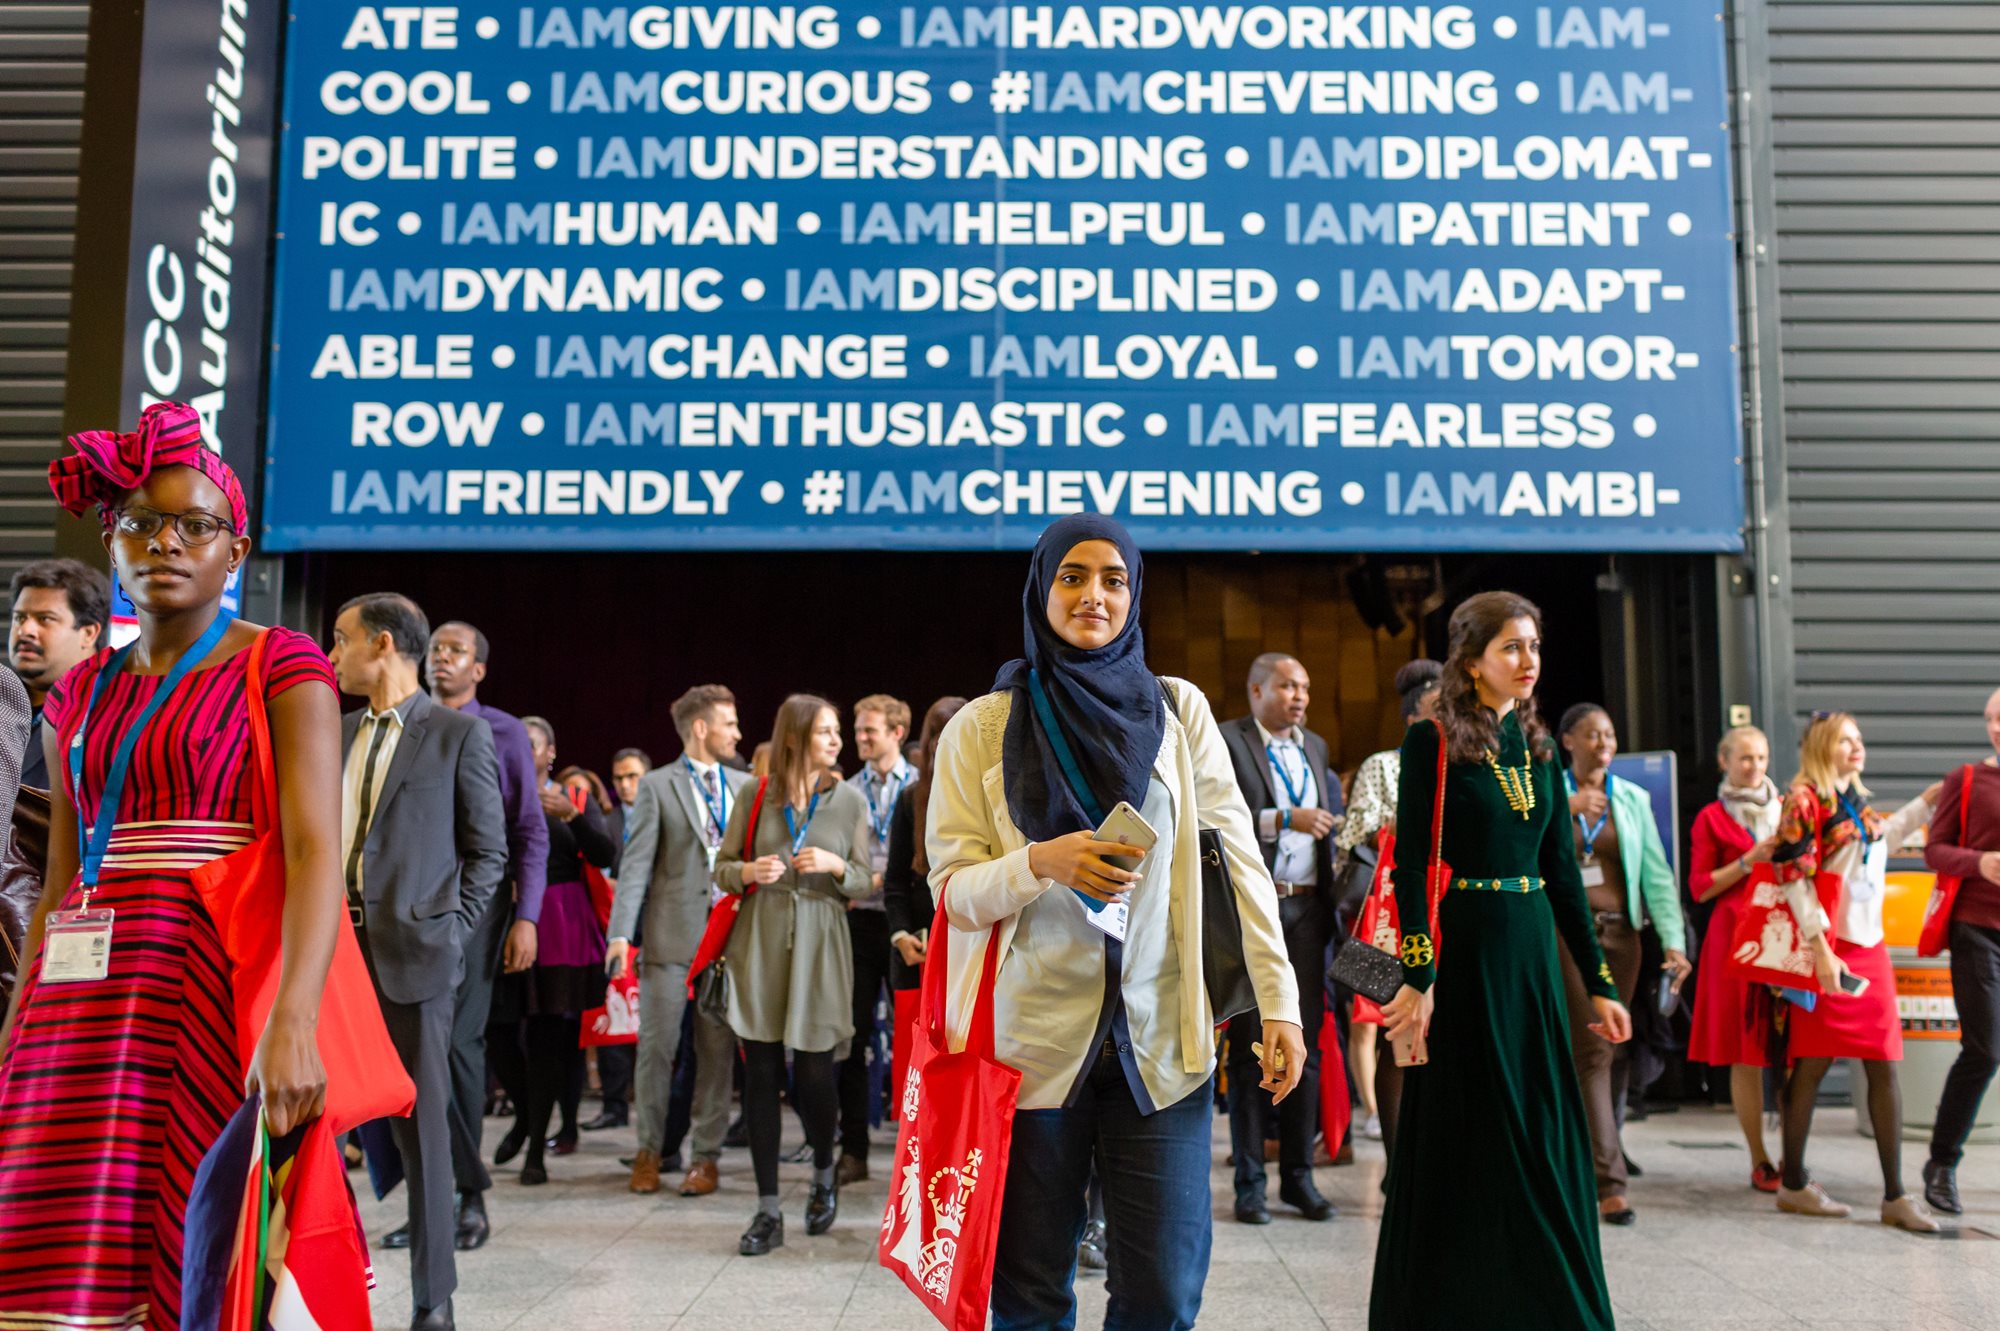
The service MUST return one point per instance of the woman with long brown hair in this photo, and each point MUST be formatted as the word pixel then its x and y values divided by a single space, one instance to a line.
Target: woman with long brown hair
pixel 791 965
pixel 1492 1167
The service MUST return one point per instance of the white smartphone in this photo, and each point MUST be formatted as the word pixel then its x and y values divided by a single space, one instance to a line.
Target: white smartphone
pixel 1124 826
pixel 1853 985
pixel 1411 1049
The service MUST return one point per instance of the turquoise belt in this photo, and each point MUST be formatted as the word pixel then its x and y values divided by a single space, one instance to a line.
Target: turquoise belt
pixel 1497 884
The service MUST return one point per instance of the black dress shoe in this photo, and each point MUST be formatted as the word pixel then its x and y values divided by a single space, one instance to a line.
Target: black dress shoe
pixel 534 1174
pixel 1623 1219
pixel 434 1319
pixel 738 1136
pixel 1941 1188
pixel 397 1238
pixel 822 1207
pixel 1304 1196
pixel 511 1144
pixel 1250 1210
pixel 765 1233
pixel 608 1118
pixel 1632 1170
pixel 473 1229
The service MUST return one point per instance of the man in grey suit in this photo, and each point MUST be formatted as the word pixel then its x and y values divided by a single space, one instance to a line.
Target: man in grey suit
pixel 414 769
pixel 1281 768
pixel 665 888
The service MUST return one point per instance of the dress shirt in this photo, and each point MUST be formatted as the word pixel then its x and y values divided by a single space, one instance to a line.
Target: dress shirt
pixel 707 799
pixel 390 726
pixel 527 825
pixel 1287 759
pixel 881 793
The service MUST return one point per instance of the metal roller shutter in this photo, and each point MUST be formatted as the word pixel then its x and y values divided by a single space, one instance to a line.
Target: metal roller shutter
pixel 1884 132
pixel 41 109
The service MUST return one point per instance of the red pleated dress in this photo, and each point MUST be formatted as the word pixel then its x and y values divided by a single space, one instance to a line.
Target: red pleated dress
pixel 112 1091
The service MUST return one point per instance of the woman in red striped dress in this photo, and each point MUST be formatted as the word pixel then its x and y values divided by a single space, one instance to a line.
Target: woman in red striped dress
pixel 112 1089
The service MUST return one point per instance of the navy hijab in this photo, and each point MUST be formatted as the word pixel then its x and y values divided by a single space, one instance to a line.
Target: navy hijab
pixel 1105 700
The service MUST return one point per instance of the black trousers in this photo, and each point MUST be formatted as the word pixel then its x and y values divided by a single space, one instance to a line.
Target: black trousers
pixel 1308 925
pixel 471 1005
pixel 869 932
pixel 1975 984
pixel 614 1075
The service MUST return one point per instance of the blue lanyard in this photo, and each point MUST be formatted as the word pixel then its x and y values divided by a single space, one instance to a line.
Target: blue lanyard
pixel 718 808
pixel 879 818
pixel 1059 744
pixel 92 842
pixel 1590 832
pixel 799 829
pixel 1852 811
pixel 1297 793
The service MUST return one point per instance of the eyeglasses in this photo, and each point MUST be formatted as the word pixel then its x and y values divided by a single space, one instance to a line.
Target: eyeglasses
pixel 195 528
pixel 449 652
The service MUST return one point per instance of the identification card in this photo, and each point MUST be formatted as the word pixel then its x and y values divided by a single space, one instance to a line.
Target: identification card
pixel 1110 918
pixel 1593 875
pixel 76 945
pixel 712 852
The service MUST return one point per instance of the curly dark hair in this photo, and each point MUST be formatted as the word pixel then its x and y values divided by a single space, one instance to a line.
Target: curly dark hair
pixel 1470 728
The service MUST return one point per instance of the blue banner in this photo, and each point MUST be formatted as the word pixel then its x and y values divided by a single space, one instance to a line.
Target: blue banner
pixel 1349 277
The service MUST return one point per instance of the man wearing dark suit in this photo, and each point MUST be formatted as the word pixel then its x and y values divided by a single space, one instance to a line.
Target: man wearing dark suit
pixel 1281 768
pixel 665 887
pixel 413 770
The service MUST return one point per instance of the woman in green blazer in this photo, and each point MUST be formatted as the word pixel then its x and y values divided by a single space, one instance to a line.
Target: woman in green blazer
pixel 1628 884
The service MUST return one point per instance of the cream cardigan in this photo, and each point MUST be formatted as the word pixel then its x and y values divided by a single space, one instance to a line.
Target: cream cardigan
pixel 980 873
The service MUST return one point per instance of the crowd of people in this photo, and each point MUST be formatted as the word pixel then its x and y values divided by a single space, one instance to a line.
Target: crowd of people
pixel 778 912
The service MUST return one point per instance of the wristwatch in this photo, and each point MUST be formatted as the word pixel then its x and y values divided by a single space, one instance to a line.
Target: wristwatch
pixel 1743 863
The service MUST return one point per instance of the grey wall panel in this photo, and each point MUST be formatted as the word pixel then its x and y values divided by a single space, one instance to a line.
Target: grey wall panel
pixel 1885 192
pixel 41 107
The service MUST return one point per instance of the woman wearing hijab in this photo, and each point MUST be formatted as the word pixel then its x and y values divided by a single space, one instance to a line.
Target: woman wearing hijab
pixel 1115 1040
pixel 120 1073
pixel 1732 1018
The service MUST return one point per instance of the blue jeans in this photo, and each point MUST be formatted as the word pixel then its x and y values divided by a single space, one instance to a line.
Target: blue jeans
pixel 1154 1169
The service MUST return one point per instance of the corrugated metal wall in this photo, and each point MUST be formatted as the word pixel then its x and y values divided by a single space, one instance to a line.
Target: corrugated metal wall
pixel 41 109
pixel 1885 145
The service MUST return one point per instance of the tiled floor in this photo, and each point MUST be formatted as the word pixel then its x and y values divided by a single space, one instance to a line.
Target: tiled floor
pixel 583 1253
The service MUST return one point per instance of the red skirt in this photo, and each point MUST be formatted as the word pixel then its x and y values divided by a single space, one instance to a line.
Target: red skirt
pixel 1845 1026
pixel 1731 1021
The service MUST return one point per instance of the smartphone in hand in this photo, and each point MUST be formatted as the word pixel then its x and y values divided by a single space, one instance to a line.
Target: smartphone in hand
pixel 1411 1048
pixel 1125 826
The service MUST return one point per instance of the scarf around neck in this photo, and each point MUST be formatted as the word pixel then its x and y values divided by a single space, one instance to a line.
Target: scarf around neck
pixel 1106 701
pixel 1755 808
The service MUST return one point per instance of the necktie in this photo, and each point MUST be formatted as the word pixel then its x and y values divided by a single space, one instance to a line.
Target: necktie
pixel 714 795
pixel 367 809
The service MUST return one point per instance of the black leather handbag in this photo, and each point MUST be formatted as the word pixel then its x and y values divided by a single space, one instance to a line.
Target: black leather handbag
pixel 1223 970
pixel 25 852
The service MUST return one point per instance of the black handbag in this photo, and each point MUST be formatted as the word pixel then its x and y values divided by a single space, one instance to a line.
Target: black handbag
pixel 25 852
pixel 1367 970
pixel 1357 878
pixel 1223 971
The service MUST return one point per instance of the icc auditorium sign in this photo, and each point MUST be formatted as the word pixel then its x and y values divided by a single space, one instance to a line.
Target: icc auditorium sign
pixel 1379 276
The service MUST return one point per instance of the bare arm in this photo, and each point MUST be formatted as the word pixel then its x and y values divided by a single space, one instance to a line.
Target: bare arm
pixel 305 741
pixel 57 874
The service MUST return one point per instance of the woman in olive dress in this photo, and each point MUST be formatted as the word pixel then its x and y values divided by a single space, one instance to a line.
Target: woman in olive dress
pixel 1491 1179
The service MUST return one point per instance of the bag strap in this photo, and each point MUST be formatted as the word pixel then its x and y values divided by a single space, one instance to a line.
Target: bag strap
pixel 979 1032
pixel 750 829
pixel 264 778
pixel 1059 745
pixel 1432 888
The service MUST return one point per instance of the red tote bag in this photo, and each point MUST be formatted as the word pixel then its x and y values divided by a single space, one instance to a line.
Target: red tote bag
pixel 943 1219
pixel 244 893
pixel 1936 935
pixel 1769 946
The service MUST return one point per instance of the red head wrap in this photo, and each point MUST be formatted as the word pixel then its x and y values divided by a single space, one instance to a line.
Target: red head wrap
pixel 106 464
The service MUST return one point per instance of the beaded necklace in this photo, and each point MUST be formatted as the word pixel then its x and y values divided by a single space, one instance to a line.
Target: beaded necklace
pixel 1516 783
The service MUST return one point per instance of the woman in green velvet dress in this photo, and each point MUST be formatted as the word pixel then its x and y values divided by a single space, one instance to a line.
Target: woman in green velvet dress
pixel 1491 1218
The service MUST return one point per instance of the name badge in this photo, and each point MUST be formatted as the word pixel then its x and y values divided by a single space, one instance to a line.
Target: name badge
pixel 711 852
pixel 1110 920
pixel 76 945
pixel 1593 875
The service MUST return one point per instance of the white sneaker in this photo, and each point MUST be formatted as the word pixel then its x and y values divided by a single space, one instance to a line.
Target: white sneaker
pixel 1372 1129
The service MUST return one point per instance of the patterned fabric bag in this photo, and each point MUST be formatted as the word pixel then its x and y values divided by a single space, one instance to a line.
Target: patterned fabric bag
pixel 1769 946
pixel 956 1131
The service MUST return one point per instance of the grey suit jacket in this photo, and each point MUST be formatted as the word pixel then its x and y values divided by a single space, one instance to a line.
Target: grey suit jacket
pixel 663 878
pixel 1253 775
pixel 436 849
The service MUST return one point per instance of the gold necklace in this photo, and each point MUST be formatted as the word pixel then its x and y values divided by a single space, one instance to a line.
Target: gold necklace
pixel 1516 783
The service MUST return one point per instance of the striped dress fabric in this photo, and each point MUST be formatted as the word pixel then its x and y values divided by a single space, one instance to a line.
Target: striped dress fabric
pixel 112 1092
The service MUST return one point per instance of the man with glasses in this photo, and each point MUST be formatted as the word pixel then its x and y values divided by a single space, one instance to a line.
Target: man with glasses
pixel 456 665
